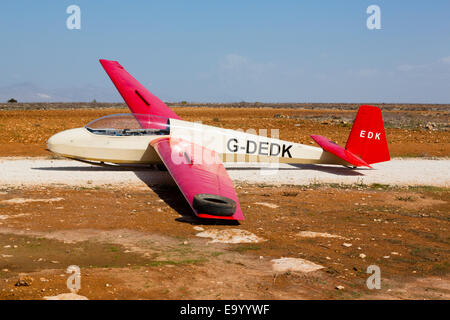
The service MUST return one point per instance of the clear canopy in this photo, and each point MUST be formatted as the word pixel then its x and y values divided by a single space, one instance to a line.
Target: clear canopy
pixel 130 124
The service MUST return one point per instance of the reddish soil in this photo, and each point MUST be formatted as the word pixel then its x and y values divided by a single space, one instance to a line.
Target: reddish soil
pixel 131 245
pixel 24 132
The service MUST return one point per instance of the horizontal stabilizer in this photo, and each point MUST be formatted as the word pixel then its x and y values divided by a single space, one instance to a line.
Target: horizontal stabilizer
pixel 339 151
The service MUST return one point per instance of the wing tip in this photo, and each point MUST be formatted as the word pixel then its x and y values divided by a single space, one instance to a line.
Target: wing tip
pixel 235 217
pixel 110 63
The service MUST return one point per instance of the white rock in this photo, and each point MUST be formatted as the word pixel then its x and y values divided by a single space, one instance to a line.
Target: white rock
pixel 294 264
pixel 312 234
pixel 230 236
pixel 269 205
pixel 66 296
pixel 198 228
pixel 362 255
pixel 23 200
pixel 348 245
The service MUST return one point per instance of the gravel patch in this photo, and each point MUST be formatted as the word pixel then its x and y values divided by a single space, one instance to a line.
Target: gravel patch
pixel 294 264
pixel 29 171
pixel 230 236
pixel 312 234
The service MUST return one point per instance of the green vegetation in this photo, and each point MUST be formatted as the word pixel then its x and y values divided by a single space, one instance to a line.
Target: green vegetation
pixel 407 198
pixel 346 124
pixel 441 269
pixel 217 253
pixel 176 263
pixel 424 253
pixel 245 247
pixel 290 194
pixel 379 186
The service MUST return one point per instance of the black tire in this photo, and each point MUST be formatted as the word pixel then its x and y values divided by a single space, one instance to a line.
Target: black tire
pixel 214 204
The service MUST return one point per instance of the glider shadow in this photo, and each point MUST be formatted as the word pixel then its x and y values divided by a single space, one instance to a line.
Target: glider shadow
pixel 340 171
pixel 84 168
pixel 173 197
pixel 159 182
pixel 163 185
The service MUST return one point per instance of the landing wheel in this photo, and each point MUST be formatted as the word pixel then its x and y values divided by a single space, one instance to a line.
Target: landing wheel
pixel 214 204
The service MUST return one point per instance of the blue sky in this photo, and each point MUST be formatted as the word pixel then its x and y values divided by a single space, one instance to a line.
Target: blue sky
pixel 268 51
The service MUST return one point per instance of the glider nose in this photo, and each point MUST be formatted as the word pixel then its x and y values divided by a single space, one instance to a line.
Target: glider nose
pixel 54 140
pixel 62 141
pixel 57 140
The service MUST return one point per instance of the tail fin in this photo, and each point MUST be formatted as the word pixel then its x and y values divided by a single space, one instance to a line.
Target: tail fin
pixel 367 138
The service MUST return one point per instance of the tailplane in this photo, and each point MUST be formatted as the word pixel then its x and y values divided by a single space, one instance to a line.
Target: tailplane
pixel 367 142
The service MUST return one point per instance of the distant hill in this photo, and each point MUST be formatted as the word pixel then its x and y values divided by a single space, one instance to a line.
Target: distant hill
pixel 30 92
pixel 310 106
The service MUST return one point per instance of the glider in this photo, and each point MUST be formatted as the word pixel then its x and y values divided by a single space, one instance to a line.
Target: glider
pixel 194 153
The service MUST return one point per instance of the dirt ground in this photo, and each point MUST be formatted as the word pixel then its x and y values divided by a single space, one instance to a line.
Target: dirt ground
pixel 130 244
pixel 141 243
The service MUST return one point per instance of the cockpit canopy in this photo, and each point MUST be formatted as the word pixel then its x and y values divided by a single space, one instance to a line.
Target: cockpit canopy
pixel 130 124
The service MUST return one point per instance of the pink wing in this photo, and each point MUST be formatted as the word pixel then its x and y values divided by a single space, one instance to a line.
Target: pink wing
pixel 338 151
pixel 138 99
pixel 201 177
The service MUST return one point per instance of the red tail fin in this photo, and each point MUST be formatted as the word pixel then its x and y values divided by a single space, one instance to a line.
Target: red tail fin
pixel 367 138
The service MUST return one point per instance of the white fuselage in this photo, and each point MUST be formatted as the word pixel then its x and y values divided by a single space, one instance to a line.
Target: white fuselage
pixel 232 145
